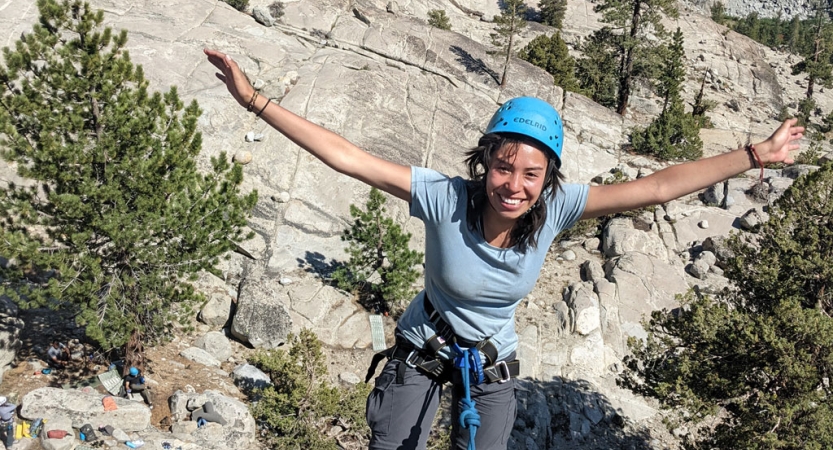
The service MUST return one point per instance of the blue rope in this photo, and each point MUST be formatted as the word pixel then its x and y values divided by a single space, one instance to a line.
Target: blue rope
pixel 469 417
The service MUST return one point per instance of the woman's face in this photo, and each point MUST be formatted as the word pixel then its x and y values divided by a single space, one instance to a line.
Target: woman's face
pixel 514 181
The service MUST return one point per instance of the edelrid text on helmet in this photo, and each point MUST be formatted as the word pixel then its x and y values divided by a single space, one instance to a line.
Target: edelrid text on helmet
pixel 533 118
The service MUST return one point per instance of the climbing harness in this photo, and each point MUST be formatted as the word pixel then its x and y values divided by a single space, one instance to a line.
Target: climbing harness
pixel 428 361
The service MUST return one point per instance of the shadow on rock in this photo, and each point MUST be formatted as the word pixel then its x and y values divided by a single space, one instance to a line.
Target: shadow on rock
pixel 472 64
pixel 571 414
pixel 318 265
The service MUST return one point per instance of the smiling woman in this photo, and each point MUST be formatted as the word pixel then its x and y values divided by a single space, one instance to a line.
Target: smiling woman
pixel 486 239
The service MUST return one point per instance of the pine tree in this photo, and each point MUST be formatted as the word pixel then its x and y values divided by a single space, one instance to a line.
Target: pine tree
pixel 116 218
pixel 718 12
pixel 437 18
pixel 597 70
pixel 381 266
pixel 633 21
pixel 817 57
pixel 551 12
pixel 551 54
pixel 761 353
pixel 675 133
pixel 509 24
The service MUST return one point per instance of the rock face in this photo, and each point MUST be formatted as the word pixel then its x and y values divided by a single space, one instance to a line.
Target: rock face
pixel 10 328
pixel 82 408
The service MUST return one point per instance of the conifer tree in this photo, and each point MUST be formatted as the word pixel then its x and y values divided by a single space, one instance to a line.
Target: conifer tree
pixel 509 24
pixel 438 19
pixel 817 58
pixel 718 12
pixel 675 133
pixel 597 70
pixel 551 54
pixel 381 266
pixel 115 218
pixel 632 21
pixel 551 12
pixel 758 358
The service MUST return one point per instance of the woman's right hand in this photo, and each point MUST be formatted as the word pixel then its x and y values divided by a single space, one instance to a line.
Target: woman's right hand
pixel 234 78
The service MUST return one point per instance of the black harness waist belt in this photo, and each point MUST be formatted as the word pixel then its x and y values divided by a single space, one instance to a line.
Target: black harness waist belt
pixel 428 361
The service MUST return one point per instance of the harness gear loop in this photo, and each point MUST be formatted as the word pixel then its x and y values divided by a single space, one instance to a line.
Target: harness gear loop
pixel 469 417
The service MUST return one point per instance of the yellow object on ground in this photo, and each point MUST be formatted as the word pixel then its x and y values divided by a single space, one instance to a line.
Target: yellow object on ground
pixel 18 431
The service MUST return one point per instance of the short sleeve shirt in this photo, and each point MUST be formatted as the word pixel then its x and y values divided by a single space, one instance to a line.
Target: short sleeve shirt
pixel 53 352
pixel 473 285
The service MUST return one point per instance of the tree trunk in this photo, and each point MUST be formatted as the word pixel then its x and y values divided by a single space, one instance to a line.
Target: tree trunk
pixel 134 352
pixel 627 67
pixel 508 53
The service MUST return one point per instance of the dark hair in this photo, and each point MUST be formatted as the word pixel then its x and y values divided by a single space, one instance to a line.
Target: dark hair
pixel 478 160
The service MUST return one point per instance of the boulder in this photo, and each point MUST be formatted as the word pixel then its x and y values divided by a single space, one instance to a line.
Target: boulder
pixel 620 237
pixel 248 377
pixel 65 443
pixel 584 307
pixel 263 16
pixel 200 356
pixel 217 310
pixel 82 408
pixel 216 344
pixel 262 318
pixel 10 328
pixel 238 432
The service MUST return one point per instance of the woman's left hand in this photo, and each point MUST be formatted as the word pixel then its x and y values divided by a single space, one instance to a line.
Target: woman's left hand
pixel 777 147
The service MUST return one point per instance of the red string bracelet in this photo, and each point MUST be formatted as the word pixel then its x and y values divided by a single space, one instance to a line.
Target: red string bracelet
pixel 751 150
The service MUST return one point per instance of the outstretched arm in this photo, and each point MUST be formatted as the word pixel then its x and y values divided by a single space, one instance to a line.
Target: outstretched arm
pixel 332 149
pixel 682 179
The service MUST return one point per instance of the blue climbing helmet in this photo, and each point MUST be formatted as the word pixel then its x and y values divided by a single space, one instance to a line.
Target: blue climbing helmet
pixel 134 371
pixel 533 118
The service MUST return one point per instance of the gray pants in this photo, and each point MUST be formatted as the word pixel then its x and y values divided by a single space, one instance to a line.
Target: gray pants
pixel 400 415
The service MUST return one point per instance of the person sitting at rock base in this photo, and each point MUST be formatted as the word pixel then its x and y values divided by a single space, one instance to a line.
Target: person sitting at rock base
pixel 7 421
pixel 135 382
pixel 57 355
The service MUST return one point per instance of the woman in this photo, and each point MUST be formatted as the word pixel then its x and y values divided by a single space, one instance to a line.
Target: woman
pixel 486 239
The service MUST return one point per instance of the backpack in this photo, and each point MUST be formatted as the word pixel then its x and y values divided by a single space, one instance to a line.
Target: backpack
pixel 88 432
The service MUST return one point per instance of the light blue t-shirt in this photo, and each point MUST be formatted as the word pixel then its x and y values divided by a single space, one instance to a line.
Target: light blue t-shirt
pixel 473 285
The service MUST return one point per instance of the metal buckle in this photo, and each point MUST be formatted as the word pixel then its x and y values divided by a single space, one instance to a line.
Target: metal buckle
pixel 503 371
pixel 413 355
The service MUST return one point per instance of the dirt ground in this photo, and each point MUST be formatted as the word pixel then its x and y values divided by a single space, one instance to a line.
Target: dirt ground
pixel 165 369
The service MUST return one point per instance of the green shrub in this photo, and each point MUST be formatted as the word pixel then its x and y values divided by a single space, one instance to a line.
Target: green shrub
pixel 276 9
pixel 240 5
pixel 438 19
pixel 301 406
